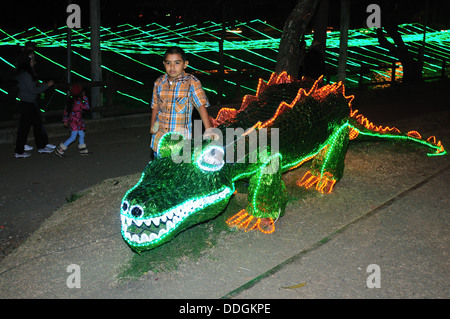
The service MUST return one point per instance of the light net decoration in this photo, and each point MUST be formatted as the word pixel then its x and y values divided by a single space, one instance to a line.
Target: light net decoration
pixel 129 48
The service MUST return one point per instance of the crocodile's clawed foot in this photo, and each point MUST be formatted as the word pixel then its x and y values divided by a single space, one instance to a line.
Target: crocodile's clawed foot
pixel 247 222
pixel 323 184
pixel 266 225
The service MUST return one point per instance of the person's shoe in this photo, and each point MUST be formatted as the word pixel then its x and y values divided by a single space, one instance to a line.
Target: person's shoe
pixel 28 148
pixel 23 155
pixel 83 150
pixel 60 150
pixel 51 146
pixel 45 150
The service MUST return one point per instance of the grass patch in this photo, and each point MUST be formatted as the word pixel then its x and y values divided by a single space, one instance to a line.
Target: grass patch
pixel 73 197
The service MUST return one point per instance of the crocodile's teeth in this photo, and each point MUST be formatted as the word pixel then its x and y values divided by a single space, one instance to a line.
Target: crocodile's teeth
pixel 144 238
pixel 161 232
pixel 156 221
pixel 171 218
pixel 128 221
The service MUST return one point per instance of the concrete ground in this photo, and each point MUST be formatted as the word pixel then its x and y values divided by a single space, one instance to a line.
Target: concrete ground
pixel 383 232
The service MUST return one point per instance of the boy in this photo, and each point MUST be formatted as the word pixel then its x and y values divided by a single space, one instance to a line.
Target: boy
pixel 174 96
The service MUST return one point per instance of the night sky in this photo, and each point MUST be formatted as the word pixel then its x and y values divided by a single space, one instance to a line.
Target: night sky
pixel 48 14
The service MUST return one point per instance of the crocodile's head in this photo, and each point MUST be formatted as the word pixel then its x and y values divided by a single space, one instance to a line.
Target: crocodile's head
pixel 171 196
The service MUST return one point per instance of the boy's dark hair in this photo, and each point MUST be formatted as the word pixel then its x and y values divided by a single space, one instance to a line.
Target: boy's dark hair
pixel 176 50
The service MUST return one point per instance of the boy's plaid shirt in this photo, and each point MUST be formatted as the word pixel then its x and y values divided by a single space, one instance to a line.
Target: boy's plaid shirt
pixel 176 104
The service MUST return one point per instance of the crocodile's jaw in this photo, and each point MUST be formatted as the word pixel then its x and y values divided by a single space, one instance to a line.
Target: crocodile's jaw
pixel 147 233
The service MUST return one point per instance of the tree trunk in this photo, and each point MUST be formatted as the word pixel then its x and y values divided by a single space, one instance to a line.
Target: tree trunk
pixel 290 46
pixel 343 40
pixel 320 26
pixel 411 68
pixel 96 98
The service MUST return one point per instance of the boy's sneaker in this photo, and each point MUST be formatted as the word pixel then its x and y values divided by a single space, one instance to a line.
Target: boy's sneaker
pixel 27 148
pixel 23 155
pixel 45 150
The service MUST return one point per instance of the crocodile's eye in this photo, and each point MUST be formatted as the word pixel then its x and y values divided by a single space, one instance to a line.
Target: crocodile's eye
pixel 137 211
pixel 212 159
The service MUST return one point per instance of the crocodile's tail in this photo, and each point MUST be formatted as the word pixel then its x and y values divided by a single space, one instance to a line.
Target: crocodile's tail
pixel 361 126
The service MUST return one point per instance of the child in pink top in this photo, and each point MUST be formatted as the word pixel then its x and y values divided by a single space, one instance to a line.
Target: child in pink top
pixel 73 118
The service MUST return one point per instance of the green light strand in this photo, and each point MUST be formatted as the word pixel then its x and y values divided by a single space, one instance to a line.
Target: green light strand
pixel 400 137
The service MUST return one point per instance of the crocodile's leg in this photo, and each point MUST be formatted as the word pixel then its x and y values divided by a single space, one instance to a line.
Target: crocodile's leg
pixel 328 166
pixel 267 200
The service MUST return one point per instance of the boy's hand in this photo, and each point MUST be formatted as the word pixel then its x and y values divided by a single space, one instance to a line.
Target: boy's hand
pixel 154 129
pixel 210 135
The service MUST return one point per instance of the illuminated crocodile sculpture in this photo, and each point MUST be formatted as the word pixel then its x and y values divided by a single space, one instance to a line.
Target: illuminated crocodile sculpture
pixel 314 123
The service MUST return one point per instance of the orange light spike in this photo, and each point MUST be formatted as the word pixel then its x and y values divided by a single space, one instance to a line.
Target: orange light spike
pixel 278 79
pixel 353 113
pixel 281 109
pixel 369 125
pixel 283 77
pixel 224 114
pixel 262 86
pixel 284 106
pixel 414 134
pixel 246 101
pixel 432 140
